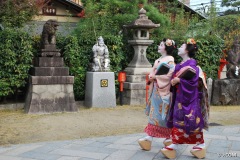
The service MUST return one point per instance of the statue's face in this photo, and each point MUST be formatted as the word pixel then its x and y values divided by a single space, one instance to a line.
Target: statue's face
pixel 182 50
pixel 54 24
pixel 162 48
pixel 101 42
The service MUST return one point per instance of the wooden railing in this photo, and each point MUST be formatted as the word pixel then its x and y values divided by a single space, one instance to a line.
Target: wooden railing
pixel 77 2
pixel 44 2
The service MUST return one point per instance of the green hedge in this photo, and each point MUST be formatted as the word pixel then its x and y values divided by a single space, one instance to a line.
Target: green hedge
pixel 209 54
pixel 102 19
pixel 78 54
pixel 16 54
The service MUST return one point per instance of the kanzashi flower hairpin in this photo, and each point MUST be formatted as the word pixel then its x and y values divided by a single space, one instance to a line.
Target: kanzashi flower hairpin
pixel 191 41
pixel 169 42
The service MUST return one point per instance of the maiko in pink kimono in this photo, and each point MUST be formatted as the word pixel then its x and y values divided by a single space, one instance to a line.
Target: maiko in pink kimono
pixel 159 97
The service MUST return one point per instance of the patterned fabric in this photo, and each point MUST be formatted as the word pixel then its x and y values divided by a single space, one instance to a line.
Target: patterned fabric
pixel 159 98
pixel 202 88
pixel 179 136
pixel 158 131
pixel 163 81
pixel 186 112
pixel 158 108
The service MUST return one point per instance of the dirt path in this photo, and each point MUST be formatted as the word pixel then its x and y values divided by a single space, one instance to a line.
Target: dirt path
pixel 18 127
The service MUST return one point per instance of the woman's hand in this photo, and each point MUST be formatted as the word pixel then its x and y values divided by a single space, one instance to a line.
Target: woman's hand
pixel 175 81
pixel 151 79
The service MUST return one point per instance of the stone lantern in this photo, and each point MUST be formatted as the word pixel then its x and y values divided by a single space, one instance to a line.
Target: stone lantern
pixel 139 67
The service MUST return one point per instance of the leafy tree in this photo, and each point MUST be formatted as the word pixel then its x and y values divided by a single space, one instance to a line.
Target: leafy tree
pixel 231 3
pixel 14 13
pixel 107 17
pixel 16 54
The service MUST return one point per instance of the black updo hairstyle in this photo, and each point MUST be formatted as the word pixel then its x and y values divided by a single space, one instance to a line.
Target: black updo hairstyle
pixel 171 48
pixel 191 47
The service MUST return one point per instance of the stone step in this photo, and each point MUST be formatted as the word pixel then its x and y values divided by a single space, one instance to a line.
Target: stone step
pixel 136 78
pixel 50 54
pixel 138 71
pixel 49 71
pixel 49 62
pixel 45 80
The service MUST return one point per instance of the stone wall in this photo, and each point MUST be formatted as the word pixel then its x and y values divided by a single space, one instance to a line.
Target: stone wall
pixel 226 92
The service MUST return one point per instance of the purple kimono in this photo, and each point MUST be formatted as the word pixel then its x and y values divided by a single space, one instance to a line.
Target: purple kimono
pixel 185 110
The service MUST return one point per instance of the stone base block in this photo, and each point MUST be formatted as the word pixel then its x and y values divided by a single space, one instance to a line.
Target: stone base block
pixel 134 93
pixel 49 71
pixel 134 101
pixel 50 47
pixel 134 96
pixel 50 99
pixel 129 85
pixel 45 80
pixel 226 92
pixel 49 62
pixel 136 78
pixel 100 90
pixel 137 71
pixel 50 54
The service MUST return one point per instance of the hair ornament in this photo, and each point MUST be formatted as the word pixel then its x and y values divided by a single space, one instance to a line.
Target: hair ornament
pixel 170 42
pixel 191 41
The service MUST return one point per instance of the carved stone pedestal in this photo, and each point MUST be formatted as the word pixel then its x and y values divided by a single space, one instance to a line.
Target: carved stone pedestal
pixel 100 90
pixel 50 87
pixel 50 50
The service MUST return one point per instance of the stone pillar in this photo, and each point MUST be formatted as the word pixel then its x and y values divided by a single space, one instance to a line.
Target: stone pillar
pixel 50 87
pixel 209 85
pixel 135 85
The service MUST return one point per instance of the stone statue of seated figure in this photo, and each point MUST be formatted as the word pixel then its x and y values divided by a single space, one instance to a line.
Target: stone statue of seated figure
pixel 101 61
pixel 233 58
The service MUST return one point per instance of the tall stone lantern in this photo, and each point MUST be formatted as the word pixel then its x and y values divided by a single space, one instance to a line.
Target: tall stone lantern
pixel 135 85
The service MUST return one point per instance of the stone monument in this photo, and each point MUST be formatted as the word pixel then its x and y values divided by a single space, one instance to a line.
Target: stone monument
pixel 50 86
pixel 101 61
pixel 227 91
pixel 100 82
pixel 135 85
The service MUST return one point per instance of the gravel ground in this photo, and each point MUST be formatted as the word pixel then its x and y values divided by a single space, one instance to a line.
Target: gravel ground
pixel 17 127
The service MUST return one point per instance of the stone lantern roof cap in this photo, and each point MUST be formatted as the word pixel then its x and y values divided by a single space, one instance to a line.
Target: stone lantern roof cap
pixel 142 22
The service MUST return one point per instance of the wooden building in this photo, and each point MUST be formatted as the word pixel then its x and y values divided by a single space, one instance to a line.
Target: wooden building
pixel 66 12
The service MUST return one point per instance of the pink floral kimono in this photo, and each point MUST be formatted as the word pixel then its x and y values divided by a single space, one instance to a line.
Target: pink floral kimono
pixel 159 100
